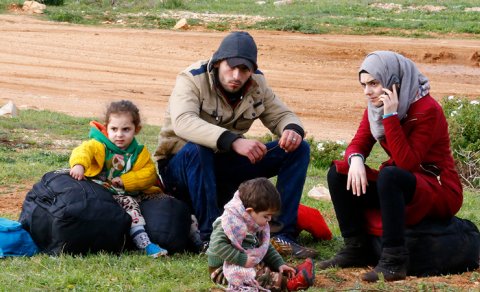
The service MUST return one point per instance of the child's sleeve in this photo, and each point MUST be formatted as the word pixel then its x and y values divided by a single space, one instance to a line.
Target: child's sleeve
pixel 143 174
pixel 273 259
pixel 84 154
pixel 221 247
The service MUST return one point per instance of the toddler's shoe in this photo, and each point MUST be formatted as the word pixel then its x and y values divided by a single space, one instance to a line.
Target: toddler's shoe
pixel 309 267
pixel 155 251
pixel 298 282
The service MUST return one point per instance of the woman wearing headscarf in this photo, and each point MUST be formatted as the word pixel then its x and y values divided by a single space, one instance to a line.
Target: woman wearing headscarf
pixel 418 180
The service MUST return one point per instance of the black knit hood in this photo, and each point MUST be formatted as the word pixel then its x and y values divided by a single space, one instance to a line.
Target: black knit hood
pixel 237 44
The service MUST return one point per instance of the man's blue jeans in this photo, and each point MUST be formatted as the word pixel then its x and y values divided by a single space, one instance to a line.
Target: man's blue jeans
pixel 208 180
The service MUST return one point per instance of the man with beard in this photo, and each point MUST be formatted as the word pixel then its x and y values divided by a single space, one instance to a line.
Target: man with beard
pixel 203 155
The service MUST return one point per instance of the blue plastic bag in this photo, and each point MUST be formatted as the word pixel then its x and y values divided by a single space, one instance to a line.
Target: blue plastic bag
pixel 14 240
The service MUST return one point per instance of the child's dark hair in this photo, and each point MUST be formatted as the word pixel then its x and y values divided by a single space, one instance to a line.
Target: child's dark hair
pixel 260 195
pixel 124 106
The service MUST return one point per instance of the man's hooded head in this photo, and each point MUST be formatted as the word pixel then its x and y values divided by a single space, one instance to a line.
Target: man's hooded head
pixel 238 48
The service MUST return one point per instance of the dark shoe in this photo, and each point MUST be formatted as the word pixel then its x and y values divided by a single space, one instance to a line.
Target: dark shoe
pixel 298 282
pixel 309 267
pixel 288 247
pixel 392 265
pixel 354 254
pixel 275 226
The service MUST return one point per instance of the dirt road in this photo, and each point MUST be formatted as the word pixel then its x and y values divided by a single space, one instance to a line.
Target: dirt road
pixel 78 69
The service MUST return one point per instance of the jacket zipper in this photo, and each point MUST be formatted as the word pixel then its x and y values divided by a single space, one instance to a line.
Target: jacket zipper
pixel 432 173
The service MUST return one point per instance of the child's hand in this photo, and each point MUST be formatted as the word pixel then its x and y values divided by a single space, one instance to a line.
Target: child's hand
pixel 250 262
pixel 117 182
pixel 77 172
pixel 289 271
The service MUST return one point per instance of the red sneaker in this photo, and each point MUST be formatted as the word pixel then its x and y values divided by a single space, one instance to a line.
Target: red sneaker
pixel 309 267
pixel 299 282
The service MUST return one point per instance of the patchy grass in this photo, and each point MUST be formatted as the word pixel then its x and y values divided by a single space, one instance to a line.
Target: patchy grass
pixel 395 18
pixel 41 141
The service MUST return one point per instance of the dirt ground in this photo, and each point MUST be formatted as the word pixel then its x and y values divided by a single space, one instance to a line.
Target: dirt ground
pixel 77 70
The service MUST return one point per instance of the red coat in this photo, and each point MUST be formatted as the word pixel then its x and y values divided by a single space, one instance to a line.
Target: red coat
pixel 420 139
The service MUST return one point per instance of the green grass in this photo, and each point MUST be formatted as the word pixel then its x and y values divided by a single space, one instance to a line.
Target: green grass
pixel 39 141
pixel 315 17
pixel 103 272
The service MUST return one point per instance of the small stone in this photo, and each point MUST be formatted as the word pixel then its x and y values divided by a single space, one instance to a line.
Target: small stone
pixel 181 24
pixel 9 110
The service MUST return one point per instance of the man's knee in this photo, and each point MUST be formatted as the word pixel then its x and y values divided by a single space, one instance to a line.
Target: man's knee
pixel 192 150
pixel 300 157
pixel 304 150
pixel 192 155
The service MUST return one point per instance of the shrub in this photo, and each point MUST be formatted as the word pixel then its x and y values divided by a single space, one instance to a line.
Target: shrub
pixel 173 4
pixel 52 2
pixel 463 116
pixel 323 153
pixel 64 16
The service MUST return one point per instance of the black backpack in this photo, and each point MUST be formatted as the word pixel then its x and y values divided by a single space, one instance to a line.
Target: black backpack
pixel 64 215
pixel 440 247
pixel 168 223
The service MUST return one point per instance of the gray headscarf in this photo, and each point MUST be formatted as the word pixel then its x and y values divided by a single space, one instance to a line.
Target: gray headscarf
pixel 391 68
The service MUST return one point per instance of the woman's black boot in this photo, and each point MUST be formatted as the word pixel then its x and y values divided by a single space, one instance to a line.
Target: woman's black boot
pixel 355 253
pixel 392 264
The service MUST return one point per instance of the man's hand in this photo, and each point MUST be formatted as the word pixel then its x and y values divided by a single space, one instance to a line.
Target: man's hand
pixel 252 149
pixel 290 140
pixel 77 172
pixel 357 176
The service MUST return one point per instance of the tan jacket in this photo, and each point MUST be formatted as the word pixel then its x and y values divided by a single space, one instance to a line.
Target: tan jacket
pixel 198 112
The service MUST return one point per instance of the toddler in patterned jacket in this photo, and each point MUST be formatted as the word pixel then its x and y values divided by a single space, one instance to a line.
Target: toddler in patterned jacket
pixel 240 254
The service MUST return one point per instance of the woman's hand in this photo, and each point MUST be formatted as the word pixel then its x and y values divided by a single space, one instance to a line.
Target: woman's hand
pixel 357 176
pixel 390 100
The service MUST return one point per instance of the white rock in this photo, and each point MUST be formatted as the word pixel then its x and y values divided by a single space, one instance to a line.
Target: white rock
pixel 33 7
pixel 9 109
pixel 319 192
pixel 181 24
pixel 282 2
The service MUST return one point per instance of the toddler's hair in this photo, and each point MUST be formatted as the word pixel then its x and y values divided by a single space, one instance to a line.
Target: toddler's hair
pixel 124 106
pixel 260 195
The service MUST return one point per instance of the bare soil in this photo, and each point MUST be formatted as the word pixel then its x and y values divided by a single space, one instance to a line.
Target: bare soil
pixel 77 70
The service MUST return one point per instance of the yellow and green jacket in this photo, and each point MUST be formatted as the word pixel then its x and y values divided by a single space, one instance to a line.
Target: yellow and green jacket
pixel 91 155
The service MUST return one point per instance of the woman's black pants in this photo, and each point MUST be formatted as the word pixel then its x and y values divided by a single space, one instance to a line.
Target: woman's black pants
pixel 392 191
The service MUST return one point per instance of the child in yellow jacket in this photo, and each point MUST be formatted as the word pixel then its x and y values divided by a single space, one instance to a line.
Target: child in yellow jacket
pixel 114 159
